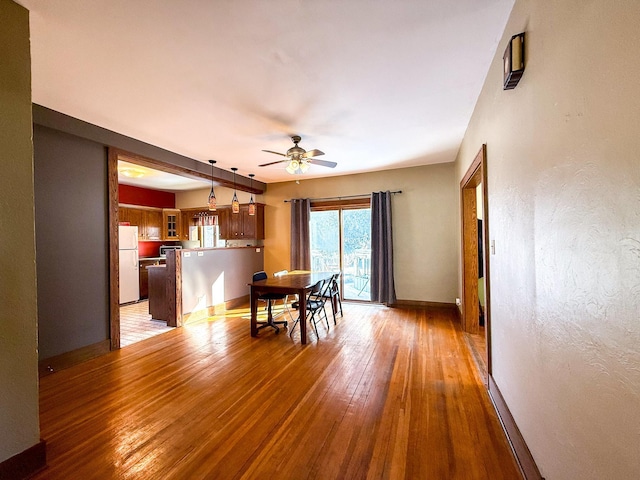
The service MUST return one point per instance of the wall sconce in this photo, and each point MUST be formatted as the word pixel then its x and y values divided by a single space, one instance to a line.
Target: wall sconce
pixel 513 61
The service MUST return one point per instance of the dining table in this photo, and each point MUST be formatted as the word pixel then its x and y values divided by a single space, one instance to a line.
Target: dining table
pixel 296 282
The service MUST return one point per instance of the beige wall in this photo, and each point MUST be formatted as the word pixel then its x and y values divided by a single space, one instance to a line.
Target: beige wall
pixel 198 198
pixel 18 313
pixel 424 220
pixel 564 211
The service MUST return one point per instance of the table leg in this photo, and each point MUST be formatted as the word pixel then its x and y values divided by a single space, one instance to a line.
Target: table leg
pixel 254 312
pixel 302 301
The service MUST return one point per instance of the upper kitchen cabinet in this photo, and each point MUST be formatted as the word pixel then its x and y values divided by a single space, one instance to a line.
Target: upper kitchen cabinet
pixel 148 221
pixel 235 226
pixel 152 224
pixel 171 220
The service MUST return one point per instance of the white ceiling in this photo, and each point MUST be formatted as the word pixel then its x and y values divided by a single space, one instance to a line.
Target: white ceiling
pixel 375 84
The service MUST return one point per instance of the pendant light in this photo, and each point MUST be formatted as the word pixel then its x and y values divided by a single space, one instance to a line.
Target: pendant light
pixel 212 196
pixel 235 204
pixel 252 204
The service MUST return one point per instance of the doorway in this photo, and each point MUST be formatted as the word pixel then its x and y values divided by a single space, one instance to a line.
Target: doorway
pixel 476 307
pixel 340 240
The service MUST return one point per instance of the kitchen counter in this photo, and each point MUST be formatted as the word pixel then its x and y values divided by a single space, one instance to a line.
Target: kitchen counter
pixel 158 300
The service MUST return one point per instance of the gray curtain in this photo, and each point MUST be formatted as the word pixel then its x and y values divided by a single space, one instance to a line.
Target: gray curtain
pixel 382 286
pixel 300 251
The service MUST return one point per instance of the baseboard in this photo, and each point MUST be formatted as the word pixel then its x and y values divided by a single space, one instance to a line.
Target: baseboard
pixel 422 304
pixel 25 464
pixel 215 309
pixel 66 360
pixel 520 449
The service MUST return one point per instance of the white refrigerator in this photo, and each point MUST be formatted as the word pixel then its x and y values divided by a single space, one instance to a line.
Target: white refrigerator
pixel 129 274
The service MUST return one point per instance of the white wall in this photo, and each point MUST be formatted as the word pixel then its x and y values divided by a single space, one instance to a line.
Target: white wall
pixel 564 211
pixel 19 428
pixel 424 224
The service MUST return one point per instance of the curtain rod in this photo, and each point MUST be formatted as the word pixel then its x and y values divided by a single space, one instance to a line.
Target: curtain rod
pixel 343 197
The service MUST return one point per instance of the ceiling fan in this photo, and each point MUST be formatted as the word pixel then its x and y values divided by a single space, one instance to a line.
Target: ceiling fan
pixel 299 159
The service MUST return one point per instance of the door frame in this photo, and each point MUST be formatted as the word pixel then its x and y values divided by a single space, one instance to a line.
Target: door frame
pixel 476 175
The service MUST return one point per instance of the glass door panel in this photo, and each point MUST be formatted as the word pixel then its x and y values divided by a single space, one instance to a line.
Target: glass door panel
pixel 324 230
pixel 356 254
pixel 341 241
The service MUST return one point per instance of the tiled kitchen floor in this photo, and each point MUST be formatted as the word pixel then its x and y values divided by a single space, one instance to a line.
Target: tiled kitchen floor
pixel 136 323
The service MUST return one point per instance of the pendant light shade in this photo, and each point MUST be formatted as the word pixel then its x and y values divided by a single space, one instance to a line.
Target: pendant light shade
pixel 212 196
pixel 235 204
pixel 252 204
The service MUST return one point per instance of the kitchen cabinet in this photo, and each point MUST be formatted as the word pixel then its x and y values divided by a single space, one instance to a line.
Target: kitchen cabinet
pixel 236 226
pixel 171 218
pixel 187 220
pixel 223 222
pixel 159 307
pixel 148 221
pixel 144 274
pixel 152 224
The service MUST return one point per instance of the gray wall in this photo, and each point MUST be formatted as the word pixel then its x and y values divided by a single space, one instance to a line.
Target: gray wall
pixel 71 202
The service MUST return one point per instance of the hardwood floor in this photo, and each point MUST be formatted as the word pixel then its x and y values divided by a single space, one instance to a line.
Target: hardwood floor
pixel 385 394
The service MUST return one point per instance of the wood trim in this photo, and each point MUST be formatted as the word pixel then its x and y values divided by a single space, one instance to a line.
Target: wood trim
pixel 470 305
pixel 114 256
pixel 422 304
pixel 525 460
pixel 219 175
pixel 173 292
pixel 51 365
pixel 475 175
pixel 26 463
pixel 345 204
pixel 219 309
pixel 487 254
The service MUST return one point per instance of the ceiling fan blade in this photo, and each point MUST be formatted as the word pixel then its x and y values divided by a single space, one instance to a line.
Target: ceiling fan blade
pixel 273 163
pixel 312 153
pixel 277 153
pixel 324 163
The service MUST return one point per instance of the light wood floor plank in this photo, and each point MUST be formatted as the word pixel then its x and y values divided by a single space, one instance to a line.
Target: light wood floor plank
pixel 385 394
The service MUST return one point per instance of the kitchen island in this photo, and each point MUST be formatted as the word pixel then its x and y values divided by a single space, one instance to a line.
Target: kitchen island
pixel 200 282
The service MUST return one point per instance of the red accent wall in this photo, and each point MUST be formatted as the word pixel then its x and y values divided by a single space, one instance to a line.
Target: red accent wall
pixel 149 249
pixel 145 197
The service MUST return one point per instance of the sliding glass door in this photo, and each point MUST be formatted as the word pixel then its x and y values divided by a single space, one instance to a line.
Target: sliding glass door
pixel 341 240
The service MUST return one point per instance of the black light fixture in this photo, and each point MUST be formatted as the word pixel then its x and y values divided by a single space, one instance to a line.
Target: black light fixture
pixel 212 196
pixel 235 204
pixel 513 61
pixel 252 204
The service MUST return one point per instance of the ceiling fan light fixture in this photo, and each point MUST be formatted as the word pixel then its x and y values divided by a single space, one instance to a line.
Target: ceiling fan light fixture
pixel 235 204
pixel 211 202
pixel 298 159
pixel 293 167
